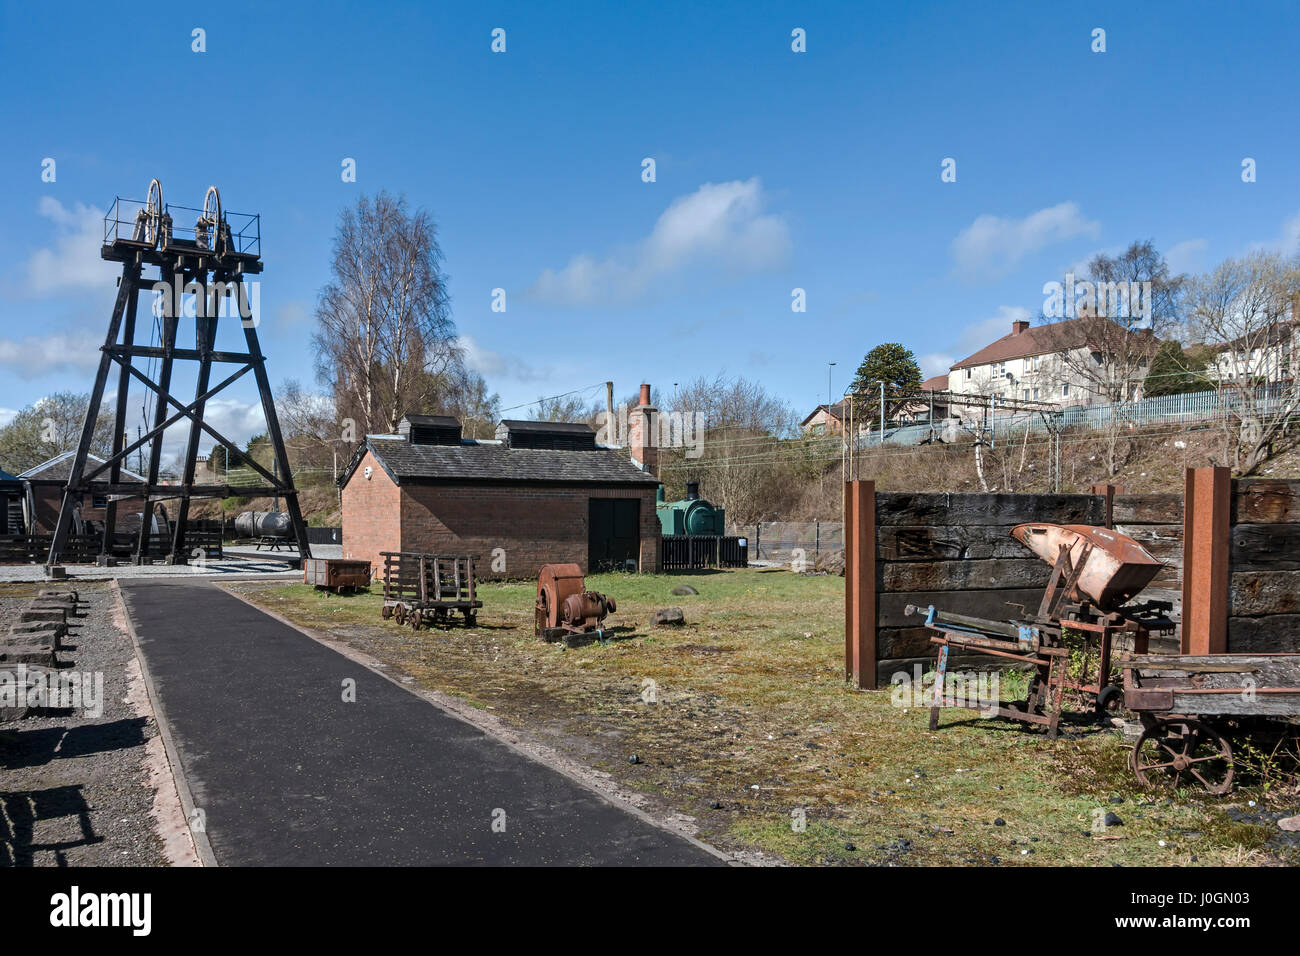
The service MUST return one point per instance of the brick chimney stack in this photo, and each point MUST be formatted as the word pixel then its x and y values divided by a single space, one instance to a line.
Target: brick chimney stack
pixel 643 433
pixel 1018 326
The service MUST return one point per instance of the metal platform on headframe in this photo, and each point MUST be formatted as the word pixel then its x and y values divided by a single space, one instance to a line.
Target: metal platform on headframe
pixel 208 261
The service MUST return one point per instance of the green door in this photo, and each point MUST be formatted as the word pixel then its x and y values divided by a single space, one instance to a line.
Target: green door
pixel 614 534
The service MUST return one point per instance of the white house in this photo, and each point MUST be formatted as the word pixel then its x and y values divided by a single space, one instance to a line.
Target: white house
pixel 1047 363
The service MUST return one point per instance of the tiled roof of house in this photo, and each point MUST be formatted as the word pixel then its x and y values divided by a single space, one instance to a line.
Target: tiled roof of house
pixel 1276 333
pixel 1036 340
pixel 835 411
pixel 938 383
pixel 471 461
pixel 1058 337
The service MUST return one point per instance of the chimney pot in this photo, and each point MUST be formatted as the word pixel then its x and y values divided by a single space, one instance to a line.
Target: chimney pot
pixel 645 394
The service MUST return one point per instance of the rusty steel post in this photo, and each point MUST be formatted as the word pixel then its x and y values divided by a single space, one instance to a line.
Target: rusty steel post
pixel 860 584
pixel 1207 503
pixel 1109 491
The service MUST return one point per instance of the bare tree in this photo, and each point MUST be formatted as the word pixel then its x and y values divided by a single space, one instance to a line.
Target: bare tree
pixel 311 428
pixel 1245 310
pixel 470 400
pixel 1114 318
pixel 564 408
pixel 745 464
pixel 385 339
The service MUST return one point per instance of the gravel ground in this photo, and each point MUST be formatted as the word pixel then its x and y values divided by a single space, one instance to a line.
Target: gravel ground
pixel 240 562
pixel 83 790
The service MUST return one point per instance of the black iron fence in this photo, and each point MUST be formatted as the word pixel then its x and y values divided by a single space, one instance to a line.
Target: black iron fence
pixel 86 548
pixel 684 552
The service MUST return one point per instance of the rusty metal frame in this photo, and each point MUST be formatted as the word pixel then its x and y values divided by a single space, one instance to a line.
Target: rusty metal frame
pixel 860 584
pixel 1207 505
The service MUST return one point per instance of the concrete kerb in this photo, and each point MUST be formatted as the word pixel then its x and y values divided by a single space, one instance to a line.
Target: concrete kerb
pixel 202 846
pixel 599 784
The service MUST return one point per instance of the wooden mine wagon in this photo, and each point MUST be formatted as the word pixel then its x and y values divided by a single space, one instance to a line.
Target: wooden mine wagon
pixel 424 589
pixel 1186 701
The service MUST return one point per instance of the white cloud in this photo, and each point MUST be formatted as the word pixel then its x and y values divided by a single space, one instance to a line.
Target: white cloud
pixel 36 355
pixel 1186 256
pixel 73 262
pixel 7 415
pixel 935 363
pixel 495 366
pixel 974 337
pixel 1291 236
pixel 992 246
pixel 719 224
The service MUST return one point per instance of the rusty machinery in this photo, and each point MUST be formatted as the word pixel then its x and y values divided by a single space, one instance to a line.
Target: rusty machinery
pixel 1095 573
pixel 565 606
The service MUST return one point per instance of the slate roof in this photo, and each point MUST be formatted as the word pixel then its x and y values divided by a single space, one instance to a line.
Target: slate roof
pixel 470 461
pixel 938 383
pixel 554 428
pixel 58 468
pixel 437 421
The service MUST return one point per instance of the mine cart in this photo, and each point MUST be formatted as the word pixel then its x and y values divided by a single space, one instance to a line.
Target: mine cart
pixel 422 589
pixel 1095 571
pixel 335 574
pixel 1188 704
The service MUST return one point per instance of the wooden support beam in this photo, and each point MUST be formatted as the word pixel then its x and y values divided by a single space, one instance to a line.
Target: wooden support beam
pixel 860 584
pixel 1207 504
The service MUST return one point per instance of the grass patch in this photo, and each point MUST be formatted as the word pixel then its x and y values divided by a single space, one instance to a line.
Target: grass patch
pixel 742 719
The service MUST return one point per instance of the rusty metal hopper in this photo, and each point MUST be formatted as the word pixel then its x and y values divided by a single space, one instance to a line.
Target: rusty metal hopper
pixel 1117 567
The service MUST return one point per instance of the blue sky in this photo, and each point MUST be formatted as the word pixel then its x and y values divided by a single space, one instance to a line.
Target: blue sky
pixel 775 170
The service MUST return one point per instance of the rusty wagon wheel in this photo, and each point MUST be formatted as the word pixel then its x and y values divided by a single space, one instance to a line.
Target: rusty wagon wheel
pixel 399 614
pixel 386 611
pixel 1174 752
pixel 416 619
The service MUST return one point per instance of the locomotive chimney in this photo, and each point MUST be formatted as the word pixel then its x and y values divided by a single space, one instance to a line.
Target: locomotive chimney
pixel 692 490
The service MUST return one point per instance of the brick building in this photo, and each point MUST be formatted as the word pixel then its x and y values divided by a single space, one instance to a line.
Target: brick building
pixel 45 484
pixel 542 492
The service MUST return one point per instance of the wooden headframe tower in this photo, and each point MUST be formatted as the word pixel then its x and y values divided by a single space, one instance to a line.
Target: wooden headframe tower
pixel 211 263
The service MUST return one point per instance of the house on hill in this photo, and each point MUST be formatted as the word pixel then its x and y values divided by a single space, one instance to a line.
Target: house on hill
pixel 1062 362
pixel 540 493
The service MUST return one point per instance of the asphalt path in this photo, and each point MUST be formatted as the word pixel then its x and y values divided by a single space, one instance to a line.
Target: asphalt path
pixel 285 772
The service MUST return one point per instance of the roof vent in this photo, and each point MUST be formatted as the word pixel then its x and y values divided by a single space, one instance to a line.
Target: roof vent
pixel 430 430
pixel 560 436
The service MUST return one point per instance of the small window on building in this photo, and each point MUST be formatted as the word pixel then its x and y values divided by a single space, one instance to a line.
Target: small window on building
pixel 1065 390
pixel 99 501
pixel 968 371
